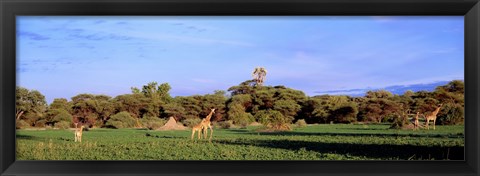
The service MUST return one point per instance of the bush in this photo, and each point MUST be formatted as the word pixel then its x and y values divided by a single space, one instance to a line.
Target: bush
pixel 452 114
pixel 40 123
pixel 301 123
pixel 191 122
pixel 401 122
pixel 121 120
pixel 62 116
pixel 224 124
pixel 152 122
pixel 21 124
pixel 238 115
pixel 62 125
pixel 273 120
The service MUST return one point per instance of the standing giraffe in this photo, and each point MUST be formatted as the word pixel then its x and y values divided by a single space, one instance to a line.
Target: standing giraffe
pixel 203 125
pixel 78 133
pixel 415 121
pixel 198 128
pixel 208 124
pixel 432 116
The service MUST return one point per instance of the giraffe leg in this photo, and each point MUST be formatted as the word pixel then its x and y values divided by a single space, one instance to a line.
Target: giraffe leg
pixel 205 132
pixel 434 123
pixel 199 134
pixel 211 131
pixel 193 133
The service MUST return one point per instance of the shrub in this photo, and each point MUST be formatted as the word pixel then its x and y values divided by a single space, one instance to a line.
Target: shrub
pixel 301 123
pixel 273 120
pixel 21 124
pixel 40 123
pixel 400 122
pixel 62 116
pixel 191 122
pixel 452 114
pixel 238 115
pixel 152 122
pixel 62 125
pixel 224 124
pixel 121 120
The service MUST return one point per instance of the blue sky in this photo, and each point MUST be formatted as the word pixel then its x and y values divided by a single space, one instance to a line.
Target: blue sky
pixel 65 56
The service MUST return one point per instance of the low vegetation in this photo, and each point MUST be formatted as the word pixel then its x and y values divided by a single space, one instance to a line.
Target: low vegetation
pixel 313 142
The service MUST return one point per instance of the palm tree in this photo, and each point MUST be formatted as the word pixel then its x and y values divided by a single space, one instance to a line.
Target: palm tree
pixel 259 75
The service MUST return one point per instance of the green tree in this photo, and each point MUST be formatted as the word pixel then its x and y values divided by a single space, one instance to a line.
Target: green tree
pixel 30 105
pixel 121 120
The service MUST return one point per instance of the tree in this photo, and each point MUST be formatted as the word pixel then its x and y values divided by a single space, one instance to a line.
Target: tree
pixel 129 103
pixel 259 75
pixel 58 106
pixel 237 114
pixel 174 109
pixel 30 105
pixel 104 107
pixel 84 109
pixel 121 120
pixel 216 100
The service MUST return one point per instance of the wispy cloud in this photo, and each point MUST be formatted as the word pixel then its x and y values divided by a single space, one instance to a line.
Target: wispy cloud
pixel 32 36
pixel 99 36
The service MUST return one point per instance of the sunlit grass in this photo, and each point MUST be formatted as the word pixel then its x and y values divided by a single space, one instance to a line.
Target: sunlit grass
pixel 314 142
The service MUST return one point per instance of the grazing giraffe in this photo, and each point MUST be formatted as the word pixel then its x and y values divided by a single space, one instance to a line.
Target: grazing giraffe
pixel 78 133
pixel 432 116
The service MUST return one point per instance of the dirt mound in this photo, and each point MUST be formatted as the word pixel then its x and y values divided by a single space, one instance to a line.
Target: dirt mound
pixel 172 125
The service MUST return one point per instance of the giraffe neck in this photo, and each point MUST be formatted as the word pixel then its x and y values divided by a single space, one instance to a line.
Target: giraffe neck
pixel 436 111
pixel 209 116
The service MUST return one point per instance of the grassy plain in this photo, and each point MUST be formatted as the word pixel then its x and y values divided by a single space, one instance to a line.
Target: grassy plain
pixel 314 142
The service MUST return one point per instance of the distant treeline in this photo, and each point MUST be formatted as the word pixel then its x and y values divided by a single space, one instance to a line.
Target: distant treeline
pixel 274 106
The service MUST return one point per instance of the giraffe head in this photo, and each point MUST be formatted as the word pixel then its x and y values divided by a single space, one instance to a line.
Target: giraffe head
pixel 213 109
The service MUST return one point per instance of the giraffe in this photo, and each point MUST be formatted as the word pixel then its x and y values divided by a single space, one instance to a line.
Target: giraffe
pixel 208 124
pixel 198 128
pixel 202 127
pixel 432 116
pixel 415 121
pixel 78 133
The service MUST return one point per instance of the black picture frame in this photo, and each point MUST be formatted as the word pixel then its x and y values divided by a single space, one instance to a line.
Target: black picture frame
pixel 470 9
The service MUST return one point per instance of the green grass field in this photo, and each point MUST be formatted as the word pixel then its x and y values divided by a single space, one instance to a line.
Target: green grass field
pixel 314 142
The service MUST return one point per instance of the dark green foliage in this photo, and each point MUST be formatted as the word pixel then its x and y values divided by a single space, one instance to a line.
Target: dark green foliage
pixel 224 124
pixel 121 120
pixel 274 120
pixel 191 122
pixel 242 106
pixel 62 125
pixel 152 123
pixel 452 114
pixel 62 116
pixel 30 105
